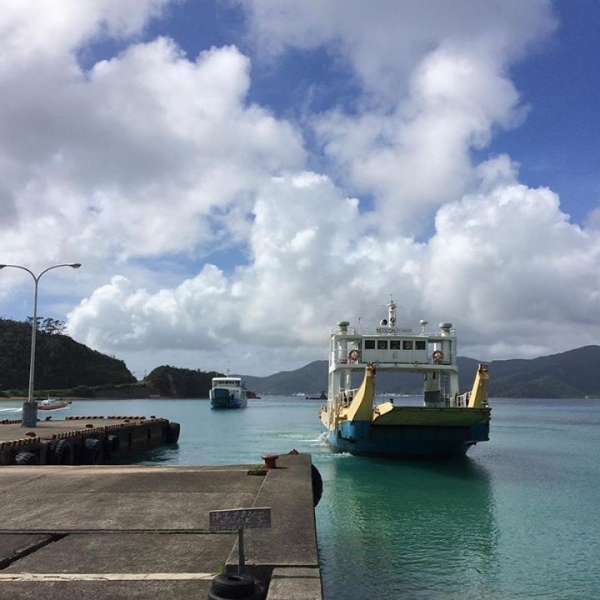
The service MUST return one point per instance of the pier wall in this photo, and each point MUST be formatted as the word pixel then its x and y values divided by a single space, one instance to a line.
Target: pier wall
pixel 90 440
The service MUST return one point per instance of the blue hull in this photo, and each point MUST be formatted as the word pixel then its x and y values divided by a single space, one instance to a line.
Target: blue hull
pixel 223 399
pixel 410 441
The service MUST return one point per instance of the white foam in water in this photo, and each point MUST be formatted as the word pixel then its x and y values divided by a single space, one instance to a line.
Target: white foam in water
pixel 321 440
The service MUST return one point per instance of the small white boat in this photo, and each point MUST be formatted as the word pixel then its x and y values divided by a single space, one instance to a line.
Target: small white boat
pixel 52 404
pixel 228 392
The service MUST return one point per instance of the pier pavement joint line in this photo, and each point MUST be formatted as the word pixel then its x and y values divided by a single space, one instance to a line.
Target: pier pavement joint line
pixel 18 577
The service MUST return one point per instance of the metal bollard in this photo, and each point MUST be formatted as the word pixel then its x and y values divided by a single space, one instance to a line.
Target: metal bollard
pixel 270 460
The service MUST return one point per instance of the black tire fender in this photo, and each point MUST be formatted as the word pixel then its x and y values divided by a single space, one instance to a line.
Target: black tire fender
pixel 93 451
pixel 172 433
pixel 236 585
pixel 317 484
pixel 27 458
pixel 62 452
pixel 113 443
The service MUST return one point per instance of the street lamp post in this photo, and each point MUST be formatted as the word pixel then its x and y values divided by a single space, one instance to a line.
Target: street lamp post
pixel 30 406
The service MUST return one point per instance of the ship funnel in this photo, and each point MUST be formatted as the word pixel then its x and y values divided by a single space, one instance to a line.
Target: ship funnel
pixel 343 326
pixel 446 329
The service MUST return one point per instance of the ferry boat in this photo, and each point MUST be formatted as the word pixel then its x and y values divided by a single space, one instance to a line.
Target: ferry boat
pixel 228 392
pixel 446 424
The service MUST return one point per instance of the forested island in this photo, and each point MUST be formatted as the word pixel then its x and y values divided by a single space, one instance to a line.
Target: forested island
pixel 66 368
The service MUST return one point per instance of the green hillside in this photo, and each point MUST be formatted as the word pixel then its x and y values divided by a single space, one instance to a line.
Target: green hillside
pixel 61 362
pixel 571 374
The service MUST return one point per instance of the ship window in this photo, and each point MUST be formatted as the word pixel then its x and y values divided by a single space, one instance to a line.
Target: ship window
pixel 420 345
pixel 394 344
pixel 369 344
pixel 407 345
pixel 381 344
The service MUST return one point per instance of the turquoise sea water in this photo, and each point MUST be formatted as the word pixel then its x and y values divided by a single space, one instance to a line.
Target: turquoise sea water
pixel 518 518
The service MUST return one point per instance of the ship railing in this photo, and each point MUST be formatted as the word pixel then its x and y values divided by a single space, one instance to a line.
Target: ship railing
pixel 341 359
pixel 345 397
pixel 462 400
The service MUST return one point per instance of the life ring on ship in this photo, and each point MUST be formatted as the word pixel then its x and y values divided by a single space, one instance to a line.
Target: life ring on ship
pixel 354 355
pixel 437 355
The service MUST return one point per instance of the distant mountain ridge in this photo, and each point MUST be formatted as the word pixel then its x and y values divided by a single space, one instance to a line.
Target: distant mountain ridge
pixel 571 374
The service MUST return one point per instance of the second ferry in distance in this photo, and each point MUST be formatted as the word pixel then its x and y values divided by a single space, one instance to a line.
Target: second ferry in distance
pixel 446 425
pixel 228 392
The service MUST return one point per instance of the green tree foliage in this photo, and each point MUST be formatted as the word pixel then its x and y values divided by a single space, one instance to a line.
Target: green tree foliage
pixel 50 326
pixel 180 383
pixel 53 326
pixel 61 362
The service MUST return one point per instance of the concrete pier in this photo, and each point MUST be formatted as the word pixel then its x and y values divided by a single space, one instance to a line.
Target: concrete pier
pixel 131 532
pixel 83 440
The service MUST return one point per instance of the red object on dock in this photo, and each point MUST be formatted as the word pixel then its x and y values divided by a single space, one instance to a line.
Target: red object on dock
pixel 270 460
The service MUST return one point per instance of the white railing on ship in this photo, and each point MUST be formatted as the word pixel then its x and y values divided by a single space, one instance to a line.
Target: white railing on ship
pixel 400 331
pixel 346 397
pixel 342 359
pixel 462 400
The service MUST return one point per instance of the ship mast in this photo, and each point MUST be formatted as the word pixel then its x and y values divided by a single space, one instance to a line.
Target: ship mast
pixel 392 313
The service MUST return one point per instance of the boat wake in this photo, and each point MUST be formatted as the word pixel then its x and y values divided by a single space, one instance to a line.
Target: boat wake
pixel 19 409
pixel 321 440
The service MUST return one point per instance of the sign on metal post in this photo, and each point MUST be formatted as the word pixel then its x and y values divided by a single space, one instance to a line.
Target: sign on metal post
pixel 240 519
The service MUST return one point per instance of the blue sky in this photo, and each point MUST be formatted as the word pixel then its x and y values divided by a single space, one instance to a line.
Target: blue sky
pixel 558 145
pixel 236 177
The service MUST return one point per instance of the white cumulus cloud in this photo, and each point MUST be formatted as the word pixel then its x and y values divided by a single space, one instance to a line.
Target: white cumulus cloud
pixel 217 233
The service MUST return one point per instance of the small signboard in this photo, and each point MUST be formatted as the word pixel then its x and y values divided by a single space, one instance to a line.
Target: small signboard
pixel 240 518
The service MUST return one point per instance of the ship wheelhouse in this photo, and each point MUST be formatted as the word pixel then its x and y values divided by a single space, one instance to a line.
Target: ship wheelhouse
pixel 392 348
